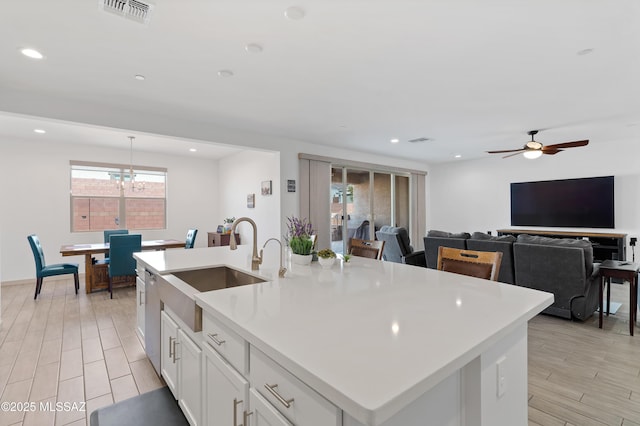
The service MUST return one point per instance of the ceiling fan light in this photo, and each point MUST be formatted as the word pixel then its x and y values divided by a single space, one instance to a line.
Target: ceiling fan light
pixel 534 145
pixel 532 154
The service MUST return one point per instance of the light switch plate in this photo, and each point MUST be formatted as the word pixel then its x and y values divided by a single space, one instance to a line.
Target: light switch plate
pixel 500 377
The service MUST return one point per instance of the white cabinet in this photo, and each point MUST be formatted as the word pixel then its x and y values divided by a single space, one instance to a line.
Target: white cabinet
pixel 189 377
pixel 233 348
pixel 168 358
pixel 296 401
pixel 271 397
pixel 180 364
pixel 140 306
pixel 263 413
pixel 225 391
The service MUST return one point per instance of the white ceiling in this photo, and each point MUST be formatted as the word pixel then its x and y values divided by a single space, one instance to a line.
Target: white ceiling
pixel 471 75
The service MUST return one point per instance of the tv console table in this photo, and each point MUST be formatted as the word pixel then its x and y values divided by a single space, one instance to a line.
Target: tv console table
pixel 606 246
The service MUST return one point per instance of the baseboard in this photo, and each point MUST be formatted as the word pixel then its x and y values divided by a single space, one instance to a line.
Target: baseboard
pixel 32 281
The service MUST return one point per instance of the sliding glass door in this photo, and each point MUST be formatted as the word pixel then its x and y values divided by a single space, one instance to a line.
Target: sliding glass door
pixel 362 201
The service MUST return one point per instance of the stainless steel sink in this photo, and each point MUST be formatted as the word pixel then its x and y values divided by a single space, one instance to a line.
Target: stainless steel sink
pixel 216 278
pixel 179 294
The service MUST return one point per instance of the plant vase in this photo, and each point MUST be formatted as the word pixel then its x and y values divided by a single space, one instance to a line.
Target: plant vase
pixel 326 262
pixel 301 259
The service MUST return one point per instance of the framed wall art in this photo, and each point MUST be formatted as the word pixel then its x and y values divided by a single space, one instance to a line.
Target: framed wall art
pixel 266 187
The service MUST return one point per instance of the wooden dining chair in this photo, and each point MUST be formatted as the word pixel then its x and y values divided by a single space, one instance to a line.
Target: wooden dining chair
pixel 481 264
pixel 366 248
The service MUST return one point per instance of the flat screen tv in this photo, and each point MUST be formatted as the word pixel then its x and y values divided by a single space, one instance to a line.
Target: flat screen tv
pixel 579 203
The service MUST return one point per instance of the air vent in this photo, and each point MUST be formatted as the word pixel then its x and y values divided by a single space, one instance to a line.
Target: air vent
pixel 135 10
pixel 418 140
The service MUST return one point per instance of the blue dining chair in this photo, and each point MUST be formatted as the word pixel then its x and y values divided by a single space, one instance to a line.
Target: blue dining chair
pixel 121 262
pixel 108 233
pixel 191 238
pixel 43 270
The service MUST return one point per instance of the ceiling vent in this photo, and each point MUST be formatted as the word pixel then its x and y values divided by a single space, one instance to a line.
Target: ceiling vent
pixel 418 140
pixel 135 10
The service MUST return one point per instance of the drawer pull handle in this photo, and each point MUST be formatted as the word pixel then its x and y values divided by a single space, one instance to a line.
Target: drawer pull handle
pixel 235 411
pixel 245 417
pixel 215 339
pixel 272 390
pixel 175 358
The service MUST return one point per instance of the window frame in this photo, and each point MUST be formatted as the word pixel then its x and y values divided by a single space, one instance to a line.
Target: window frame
pixel 122 170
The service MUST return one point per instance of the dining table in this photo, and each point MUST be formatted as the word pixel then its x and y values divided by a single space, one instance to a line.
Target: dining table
pixel 96 273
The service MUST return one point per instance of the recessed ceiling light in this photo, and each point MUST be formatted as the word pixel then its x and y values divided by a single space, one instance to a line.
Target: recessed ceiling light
pixel 192 149
pixel 140 77
pixel 394 140
pixel 457 156
pixel 40 131
pixel 584 51
pixel 32 53
pixel 294 13
pixel 253 48
pixel 225 73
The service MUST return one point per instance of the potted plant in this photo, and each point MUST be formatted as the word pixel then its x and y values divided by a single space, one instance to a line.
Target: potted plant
pixel 227 224
pixel 326 258
pixel 298 238
pixel 346 258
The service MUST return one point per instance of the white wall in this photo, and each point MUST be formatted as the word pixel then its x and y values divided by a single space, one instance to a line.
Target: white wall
pixel 475 195
pixel 34 190
pixel 242 174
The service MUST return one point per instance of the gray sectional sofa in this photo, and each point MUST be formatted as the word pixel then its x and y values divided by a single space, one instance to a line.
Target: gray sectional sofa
pixel 435 239
pixel 561 266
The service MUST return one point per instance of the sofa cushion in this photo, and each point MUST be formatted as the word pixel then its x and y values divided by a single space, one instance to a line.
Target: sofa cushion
pixel 563 242
pixel 444 234
pixel 504 243
pixel 483 236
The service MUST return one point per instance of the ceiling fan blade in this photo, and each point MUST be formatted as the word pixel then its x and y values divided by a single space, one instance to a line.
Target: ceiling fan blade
pixel 551 151
pixel 506 150
pixel 515 153
pixel 574 144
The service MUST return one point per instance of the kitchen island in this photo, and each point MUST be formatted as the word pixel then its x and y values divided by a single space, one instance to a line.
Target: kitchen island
pixel 369 343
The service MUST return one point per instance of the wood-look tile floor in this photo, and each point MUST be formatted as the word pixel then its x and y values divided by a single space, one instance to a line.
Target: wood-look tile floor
pixel 64 348
pixel 582 375
pixel 68 348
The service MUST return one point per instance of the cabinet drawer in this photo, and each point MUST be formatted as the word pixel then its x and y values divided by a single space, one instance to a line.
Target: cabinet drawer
pixel 300 404
pixel 226 342
pixel 263 413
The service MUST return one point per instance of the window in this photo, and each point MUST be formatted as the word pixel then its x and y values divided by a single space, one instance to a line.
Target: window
pixel 109 196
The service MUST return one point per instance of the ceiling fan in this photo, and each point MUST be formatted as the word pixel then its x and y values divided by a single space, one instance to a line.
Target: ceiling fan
pixel 534 149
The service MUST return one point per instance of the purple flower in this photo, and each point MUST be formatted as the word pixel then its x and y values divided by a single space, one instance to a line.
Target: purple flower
pixel 298 228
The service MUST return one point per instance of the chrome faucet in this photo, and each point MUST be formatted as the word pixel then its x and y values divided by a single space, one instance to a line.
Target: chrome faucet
pixel 282 269
pixel 255 259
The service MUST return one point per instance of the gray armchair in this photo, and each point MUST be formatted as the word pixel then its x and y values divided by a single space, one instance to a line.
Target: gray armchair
pixel 397 248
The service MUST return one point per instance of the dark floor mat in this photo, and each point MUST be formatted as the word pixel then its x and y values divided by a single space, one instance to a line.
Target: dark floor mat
pixel 155 408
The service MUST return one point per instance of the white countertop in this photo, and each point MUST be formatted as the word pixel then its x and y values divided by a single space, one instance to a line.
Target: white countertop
pixel 371 336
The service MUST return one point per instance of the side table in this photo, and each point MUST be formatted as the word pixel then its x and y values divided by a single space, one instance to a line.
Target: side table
pixel 215 239
pixel 626 271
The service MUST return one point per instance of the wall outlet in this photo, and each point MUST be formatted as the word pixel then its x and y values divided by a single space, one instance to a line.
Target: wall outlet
pixel 501 387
